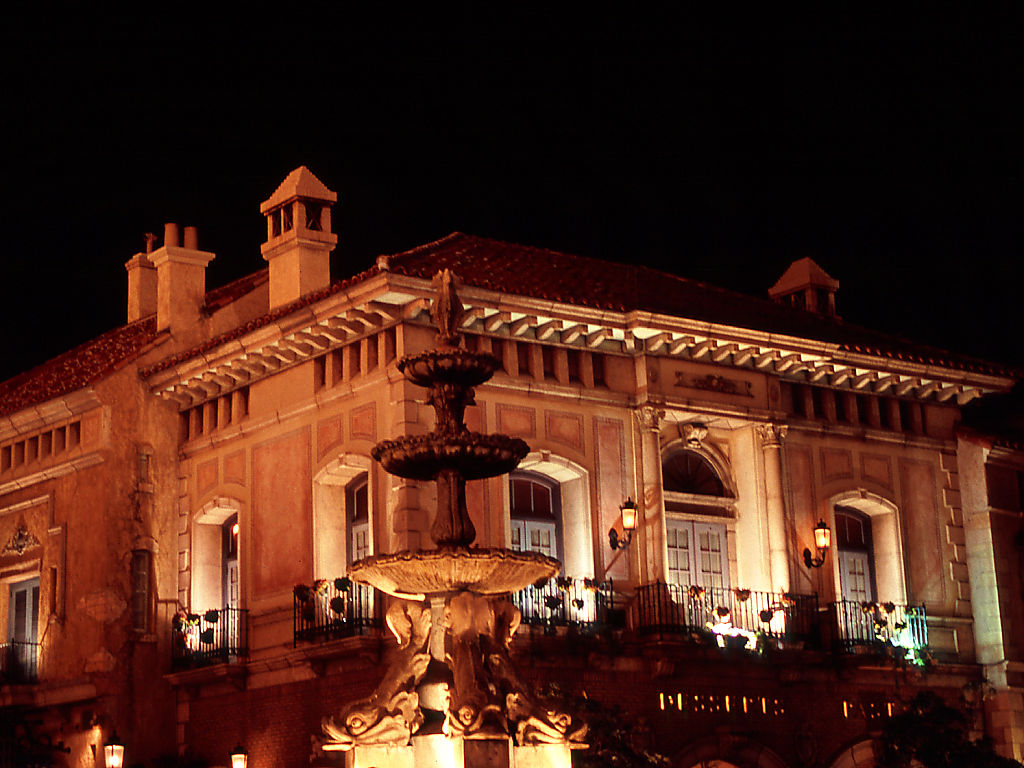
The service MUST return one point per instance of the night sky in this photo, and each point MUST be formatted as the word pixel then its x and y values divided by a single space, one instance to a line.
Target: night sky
pixel 890 151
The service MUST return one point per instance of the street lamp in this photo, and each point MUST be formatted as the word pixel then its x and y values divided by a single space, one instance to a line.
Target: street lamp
pixel 628 512
pixel 113 752
pixel 822 541
pixel 239 757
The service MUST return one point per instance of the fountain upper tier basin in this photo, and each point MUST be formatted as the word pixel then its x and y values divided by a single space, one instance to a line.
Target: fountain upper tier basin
pixel 449 364
pixel 433 572
pixel 475 456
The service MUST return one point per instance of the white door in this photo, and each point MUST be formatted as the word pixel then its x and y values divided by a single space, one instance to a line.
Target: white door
pixel 855 576
pixel 680 556
pixel 697 554
pixel 231 599
pixel 712 559
pixel 360 541
pixel 23 624
pixel 534 536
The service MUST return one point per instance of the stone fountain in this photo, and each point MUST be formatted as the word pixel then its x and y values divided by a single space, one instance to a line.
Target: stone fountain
pixel 451 696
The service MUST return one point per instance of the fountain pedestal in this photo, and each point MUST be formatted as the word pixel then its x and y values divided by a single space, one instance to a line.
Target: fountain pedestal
pixel 450 696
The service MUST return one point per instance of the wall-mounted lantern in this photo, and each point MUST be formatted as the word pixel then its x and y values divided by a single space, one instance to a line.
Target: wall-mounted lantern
pixel 628 511
pixel 113 752
pixel 239 757
pixel 822 540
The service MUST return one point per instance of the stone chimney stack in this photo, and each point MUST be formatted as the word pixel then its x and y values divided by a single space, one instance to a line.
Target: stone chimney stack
pixel 805 285
pixel 141 283
pixel 299 237
pixel 180 278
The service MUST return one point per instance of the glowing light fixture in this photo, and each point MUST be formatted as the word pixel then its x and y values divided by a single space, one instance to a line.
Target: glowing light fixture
pixel 822 541
pixel 113 752
pixel 628 511
pixel 239 757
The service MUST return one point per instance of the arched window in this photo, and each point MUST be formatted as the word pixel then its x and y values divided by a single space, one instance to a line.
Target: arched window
pixel 357 516
pixel 687 472
pixel 343 508
pixel 216 579
pixel 535 510
pixel 856 555
pixel 698 551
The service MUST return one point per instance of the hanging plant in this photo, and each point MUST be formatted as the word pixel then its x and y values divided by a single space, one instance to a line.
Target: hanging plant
pixel 889 607
pixel 343 584
pixel 206 636
pixel 696 593
pixel 867 607
pixel 577 603
pixel 564 583
pixel 320 586
pixel 338 605
pixel 766 615
pixel 591 584
pixel 742 595
pixel 722 612
pixel 552 602
pixel 541 585
pixel 788 600
pixel 211 616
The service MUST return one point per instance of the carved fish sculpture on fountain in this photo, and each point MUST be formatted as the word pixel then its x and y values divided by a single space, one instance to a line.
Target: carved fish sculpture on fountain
pixel 453 659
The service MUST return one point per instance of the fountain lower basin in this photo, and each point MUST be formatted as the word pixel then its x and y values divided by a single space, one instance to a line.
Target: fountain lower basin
pixel 434 572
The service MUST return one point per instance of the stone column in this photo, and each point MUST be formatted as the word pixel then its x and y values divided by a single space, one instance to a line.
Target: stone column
pixel 771 436
pixel 651 554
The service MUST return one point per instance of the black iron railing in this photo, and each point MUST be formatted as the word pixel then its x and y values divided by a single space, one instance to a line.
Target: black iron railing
pixel 332 609
pixel 19 662
pixel 566 602
pixel 879 624
pixel 674 608
pixel 211 637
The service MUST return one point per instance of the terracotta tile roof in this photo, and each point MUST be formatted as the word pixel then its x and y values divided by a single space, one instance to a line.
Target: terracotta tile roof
pixel 236 289
pixel 507 268
pixel 545 274
pixel 78 367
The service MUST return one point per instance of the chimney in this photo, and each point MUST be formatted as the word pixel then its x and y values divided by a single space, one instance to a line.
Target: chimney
pixel 805 285
pixel 299 237
pixel 141 283
pixel 180 278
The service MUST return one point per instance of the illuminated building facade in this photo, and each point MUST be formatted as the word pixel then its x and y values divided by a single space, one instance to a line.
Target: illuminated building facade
pixel 181 497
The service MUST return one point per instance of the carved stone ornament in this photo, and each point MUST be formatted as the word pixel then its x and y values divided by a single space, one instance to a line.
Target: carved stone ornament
pixel 391 714
pixel 649 417
pixel 715 383
pixel 21 541
pixel 772 435
pixel 694 434
pixel 487 694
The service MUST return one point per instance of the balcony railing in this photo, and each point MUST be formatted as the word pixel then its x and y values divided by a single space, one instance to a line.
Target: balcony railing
pixel 733 613
pixel 566 602
pixel 212 637
pixel 19 662
pixel 879 625
pixel 333 609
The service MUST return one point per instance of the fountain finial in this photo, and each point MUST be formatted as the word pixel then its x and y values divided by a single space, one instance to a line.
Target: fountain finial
pixel 446 310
